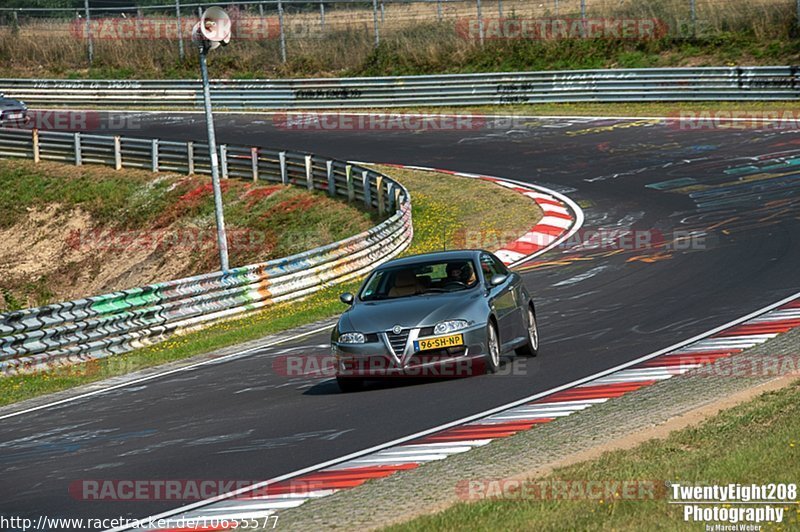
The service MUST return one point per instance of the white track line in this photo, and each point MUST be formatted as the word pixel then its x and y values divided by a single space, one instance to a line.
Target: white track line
pixel 164 373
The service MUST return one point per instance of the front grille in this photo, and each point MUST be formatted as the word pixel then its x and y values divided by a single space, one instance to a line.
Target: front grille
pixel 398 341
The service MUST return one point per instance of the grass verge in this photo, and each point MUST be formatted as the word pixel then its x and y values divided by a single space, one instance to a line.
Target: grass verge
pixel 622 109
pixel 444 209
pixel 756 442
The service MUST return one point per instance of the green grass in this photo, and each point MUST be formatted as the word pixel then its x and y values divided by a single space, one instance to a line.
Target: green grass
pixel 438 201
pixel 631 109
pixel 756 442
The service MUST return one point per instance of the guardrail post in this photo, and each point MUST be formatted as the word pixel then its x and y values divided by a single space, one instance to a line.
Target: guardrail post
pixel 439 10
pixel 397 196
pixel 351 189
pixel 89 31
pixel 154 155
pixel 117 153
pixel 322 15
pixel 367 191
pixel 480 22
pixel 223 160
pixel 309 173
pixel 282 161
pixel 254 162
pixel 381 198
pixel 500 8
pixel 190 156
pixel 78 158
pixel 180 29
pixel 283 35
pixel 693 9
pixel 35 134
pixel 331 179
pixel 390 195
pixel 375 22
pixel 584 29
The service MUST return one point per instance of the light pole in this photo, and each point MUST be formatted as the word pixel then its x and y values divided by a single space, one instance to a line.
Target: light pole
pixel 213 30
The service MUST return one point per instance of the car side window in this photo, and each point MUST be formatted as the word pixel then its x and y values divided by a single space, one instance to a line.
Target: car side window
pixel 489 267
pixel 499 266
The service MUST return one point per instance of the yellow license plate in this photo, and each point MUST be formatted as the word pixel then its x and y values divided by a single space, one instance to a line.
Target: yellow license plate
pixel 424 344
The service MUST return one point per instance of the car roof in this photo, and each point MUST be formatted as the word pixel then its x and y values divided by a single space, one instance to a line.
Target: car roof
pixel 434 256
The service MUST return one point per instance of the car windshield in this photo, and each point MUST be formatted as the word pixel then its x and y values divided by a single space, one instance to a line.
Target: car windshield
pixel 420 278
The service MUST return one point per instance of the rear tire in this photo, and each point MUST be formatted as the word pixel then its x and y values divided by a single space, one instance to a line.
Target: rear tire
pixel 492 357
pixel 349 385
pixel 531 347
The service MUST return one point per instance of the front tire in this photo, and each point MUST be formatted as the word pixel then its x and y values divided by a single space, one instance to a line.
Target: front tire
pixel 492 357
pixel 531 347
pixel 349 385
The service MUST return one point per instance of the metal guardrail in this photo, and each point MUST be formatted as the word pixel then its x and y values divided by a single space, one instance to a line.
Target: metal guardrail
pixel 628 85
pixel 113 323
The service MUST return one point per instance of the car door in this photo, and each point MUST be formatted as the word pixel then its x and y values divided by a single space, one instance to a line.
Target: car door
pixel 518 317
pixel 502 300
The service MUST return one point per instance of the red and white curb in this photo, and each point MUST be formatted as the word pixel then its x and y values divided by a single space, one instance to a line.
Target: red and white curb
pixel 557 220
pixel 269 497
pixel 562 216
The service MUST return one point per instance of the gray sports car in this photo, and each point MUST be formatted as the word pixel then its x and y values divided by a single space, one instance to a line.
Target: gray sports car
pixel 438 314
pixel 12 112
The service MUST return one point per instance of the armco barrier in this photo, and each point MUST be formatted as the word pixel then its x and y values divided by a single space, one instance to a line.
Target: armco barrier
pixel 627 85
pixel 113 323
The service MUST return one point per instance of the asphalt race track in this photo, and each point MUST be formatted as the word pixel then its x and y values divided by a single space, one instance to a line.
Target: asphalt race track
pixel 737 190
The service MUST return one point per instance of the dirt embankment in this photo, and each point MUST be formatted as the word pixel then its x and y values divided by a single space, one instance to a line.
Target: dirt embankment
pixel 67 233
pixel 49 256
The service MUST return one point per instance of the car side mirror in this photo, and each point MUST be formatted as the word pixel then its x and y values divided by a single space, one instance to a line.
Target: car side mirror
pixel 347 298
pixel 498 279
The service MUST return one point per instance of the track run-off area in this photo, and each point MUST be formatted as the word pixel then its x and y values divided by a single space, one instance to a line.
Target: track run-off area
pixel 712 218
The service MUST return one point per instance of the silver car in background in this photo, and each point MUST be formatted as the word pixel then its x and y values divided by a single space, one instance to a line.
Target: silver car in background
pixel 12 112
pixel 452 313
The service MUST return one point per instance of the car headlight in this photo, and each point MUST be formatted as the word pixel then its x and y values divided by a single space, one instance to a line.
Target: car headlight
pixel 352 338
pixel 444 327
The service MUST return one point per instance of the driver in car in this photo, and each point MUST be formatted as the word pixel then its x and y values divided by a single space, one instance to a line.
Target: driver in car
pixel 460 272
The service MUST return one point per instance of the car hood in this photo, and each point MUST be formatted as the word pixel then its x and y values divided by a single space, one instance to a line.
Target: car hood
pixel 416 311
